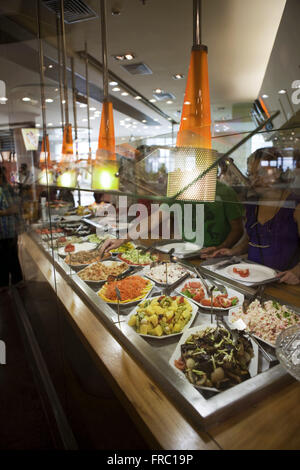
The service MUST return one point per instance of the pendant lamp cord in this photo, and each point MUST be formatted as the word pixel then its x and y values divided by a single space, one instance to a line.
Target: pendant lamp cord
pixel 197 22
pixel 104 50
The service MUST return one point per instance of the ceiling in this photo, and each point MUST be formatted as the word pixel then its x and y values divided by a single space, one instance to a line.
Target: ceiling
pixel 239 35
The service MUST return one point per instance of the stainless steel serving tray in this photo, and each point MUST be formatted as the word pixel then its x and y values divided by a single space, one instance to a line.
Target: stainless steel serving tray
pixel 154 355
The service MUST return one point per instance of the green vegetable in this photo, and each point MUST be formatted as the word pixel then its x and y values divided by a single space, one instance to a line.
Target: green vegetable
pixel 286 314
pixel 234 301
pixel 187 293
pixel 198 372
pixel 275 304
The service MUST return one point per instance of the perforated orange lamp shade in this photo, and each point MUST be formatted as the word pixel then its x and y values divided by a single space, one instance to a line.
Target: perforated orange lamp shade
pixel 262 103
pixel 67 146
pixel 195 125
pixel 45 157
pixel 106 142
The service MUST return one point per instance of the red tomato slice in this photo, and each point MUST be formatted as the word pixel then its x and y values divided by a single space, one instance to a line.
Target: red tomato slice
pixel 242 272
pixel 69 248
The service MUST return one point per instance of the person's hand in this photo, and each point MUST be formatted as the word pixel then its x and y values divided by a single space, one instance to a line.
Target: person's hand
pixel 207 251
pixel 111 244
pixel 289 277
pixel 220 252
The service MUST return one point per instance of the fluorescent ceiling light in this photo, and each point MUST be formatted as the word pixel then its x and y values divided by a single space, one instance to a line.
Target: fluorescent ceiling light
pixel 49 100
pixel 113 83
pixel 158 90
pixel 124 93
pixel 265 96
pixel 282 92
pixel 116 89
pixel 26 98
pixel 137 97
pixel 152 100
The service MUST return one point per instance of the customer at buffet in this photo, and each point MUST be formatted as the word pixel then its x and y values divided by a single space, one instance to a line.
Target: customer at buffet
pixel 223 222
pixel 272 220
pixel 8 235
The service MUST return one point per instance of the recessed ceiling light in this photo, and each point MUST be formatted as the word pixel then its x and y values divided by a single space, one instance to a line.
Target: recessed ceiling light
pixel 178 76
pixel 93 109
pixel 184 119
pixel 3 99
pixel 82 105
pixel 144 120
pixel 152 100
pixel 169 102
pixel 50 124
pixel 265 96
pixel 116 88
pixel 156 120
pixel 282 92
pixel 26 98
pixel 49 100
pixel 187 102
pixel 37 125
pixel 158 90
pixel 129 56
pixel 137 97
pixel 124 93
pixel 119 57
pixel 50 66
pixel 169 119
pixel 63 101
pixel 113 83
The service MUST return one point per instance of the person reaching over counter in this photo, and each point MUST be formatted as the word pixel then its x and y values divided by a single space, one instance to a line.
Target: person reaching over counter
pixel 223 222
pixel 272 220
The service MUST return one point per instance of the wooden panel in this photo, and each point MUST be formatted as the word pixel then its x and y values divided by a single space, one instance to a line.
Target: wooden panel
pixel 272 424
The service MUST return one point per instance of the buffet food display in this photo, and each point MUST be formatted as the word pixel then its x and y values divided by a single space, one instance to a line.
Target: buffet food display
pixel 132 289
pixel 213 357
pixel 266 320
pixel 100 271
pixel 164 300
pixel 162 316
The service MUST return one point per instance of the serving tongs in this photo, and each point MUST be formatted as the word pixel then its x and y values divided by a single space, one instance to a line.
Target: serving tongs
pixel 240 325
pixel 112 278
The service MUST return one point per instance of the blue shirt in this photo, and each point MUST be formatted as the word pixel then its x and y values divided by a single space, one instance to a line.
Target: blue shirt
pixel 8 223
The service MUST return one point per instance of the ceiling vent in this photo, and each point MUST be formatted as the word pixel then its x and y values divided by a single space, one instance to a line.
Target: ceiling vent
pixel 164 96
pixel 75 10
pixel 137 69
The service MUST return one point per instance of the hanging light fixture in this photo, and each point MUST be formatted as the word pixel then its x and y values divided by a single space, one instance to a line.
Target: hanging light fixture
pixel 105 163
pixel 67 175
pixel 193 154
pixel 46 174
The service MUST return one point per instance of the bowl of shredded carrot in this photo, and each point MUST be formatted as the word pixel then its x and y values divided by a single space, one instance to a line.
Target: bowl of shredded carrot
pixel 132 289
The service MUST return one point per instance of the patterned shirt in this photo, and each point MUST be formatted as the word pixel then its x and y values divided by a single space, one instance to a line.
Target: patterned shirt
pixel 8 223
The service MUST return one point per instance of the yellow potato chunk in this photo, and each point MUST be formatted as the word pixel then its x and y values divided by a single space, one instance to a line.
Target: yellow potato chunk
pixel 154 320
pixel 132 320
pixel 144 329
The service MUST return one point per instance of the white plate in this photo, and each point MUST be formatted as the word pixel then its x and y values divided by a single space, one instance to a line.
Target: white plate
pixel 70 218
pixel 159 283
pixel 231 293
pixel 184 248
pixel 253 366
pixel 258 273
pixel 232 324
pixel 84 246
pixel 194 312
pixel 107 263
pixel 134 302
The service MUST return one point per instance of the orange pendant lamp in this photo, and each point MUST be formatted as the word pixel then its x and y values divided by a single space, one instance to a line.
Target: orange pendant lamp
pixel 193 146
pixel 195 125
pixel 105 167
pixel 46 175
pixel 45 156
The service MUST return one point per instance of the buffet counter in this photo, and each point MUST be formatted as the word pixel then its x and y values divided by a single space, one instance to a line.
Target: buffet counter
pixel 261 413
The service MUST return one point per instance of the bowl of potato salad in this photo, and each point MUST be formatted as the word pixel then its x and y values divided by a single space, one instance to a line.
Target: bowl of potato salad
pixel 162 316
